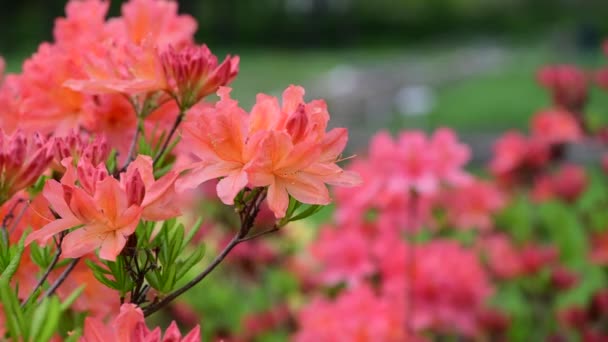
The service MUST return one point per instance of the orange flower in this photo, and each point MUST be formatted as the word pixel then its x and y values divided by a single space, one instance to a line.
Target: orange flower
pixel 159 202
pixel 218 140
pixel 285 148
pixel 124 67
pixel 107 217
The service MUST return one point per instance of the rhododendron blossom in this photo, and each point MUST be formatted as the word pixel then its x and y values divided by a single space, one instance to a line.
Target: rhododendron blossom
pixel 107 209
pixel 356 315
pixel 555 127
pixel 567 84
pixel 129 326
pixel 22 160
pixel 285 148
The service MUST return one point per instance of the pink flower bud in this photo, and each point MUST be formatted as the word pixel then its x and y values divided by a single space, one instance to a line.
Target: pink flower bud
pixel 193 73
pixel 136 190
pixel 563 279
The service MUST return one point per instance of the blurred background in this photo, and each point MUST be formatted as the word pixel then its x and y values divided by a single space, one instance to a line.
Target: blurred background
pixel 383 64
pixel 468 64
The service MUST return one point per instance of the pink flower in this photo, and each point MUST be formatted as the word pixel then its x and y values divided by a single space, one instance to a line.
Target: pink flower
pixel 159 202
pixel 517 157
pixel 130 326
pixel 568 183
pixel 193 73
pixel 84 23
pixel 218 141
pixel 121 67
pixel 567 84
pixel 22 160
pixel 283 148
pixel 356 315
pixel 46 105
pixel 107 214
pixel 76 146
pixel 343 255
pixel 555 127
pixel 154 20
pixel 450 157
pixel 446 282
pixel 472 205
pixel 502 256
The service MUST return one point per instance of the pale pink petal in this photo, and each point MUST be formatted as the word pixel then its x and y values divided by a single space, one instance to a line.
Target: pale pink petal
pixel 308 189
pixel 143 164
pixel 157 189
pixel 292 97
pixel 53 192
pixel 204 173
pixel 112 245
pixel 278 199
pixel 82 241
pixel 110 198
pixel 84 207
pixel 46 232
pixel 264 114
pixel 333 144
pixel 229 186
pixel 128 220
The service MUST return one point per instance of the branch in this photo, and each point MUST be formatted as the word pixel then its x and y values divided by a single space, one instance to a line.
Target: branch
pixel 130 154
pixel 250 212
pixel 162 150
pixel 46 273
pixel 275 228
pixel 5 221
pixel 61 279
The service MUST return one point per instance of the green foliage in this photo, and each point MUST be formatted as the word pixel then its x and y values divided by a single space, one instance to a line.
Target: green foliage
pixel 162 257
pixel 173 260
pixel 32 321
pixel 297 211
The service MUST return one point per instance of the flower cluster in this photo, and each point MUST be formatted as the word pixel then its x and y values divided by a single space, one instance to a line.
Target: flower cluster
pixel 105 210
pixel 283 147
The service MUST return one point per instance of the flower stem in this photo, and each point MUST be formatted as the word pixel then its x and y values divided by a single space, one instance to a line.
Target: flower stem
pixel 248 216
pixel 162 150
pixel 61 278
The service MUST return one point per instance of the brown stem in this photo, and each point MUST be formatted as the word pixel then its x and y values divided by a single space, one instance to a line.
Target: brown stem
pixel 265 232
pixel 132 147
pixel 46 273
pixel 64 275
pixel 162 150
pixel 5 221
pixel 248 216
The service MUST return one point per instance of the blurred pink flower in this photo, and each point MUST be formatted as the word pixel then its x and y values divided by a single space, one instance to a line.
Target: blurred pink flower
pixel 343 255
pixel 567 84
pixel 555 126
pixel 449 286
pixel 356 315
pixel 472 205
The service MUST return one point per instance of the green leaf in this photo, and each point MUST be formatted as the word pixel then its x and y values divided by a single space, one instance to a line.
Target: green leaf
pixel 10 270
pixel 186 265
pixel 15 322
pixel 311 210
pixel 195 228
pixel 67 303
